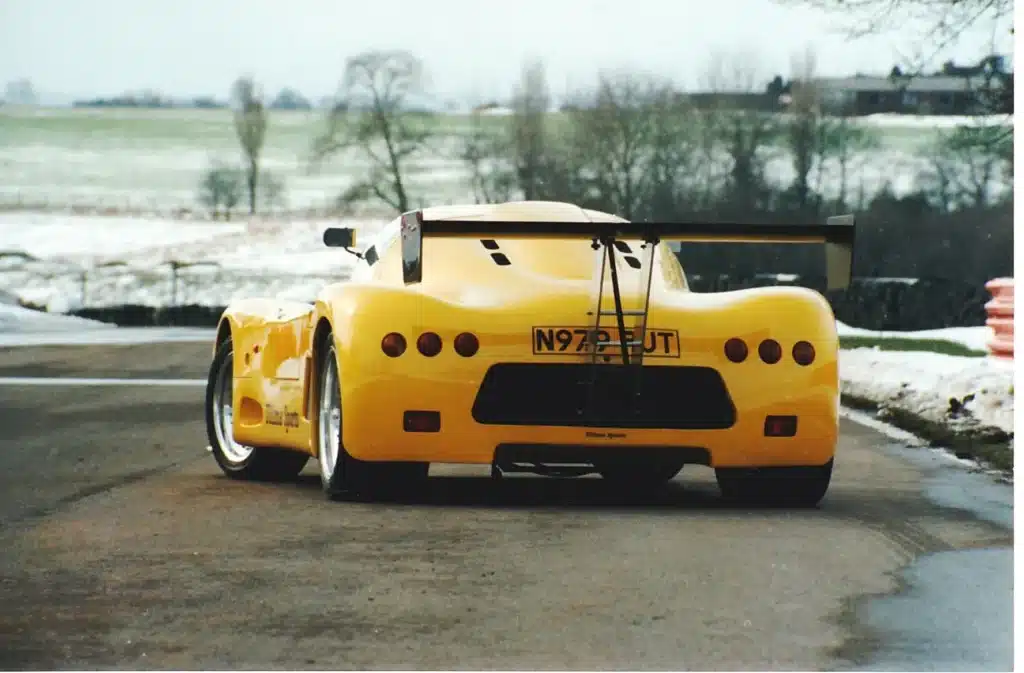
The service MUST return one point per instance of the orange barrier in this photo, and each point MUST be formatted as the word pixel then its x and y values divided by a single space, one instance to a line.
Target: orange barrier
pixel 1000 317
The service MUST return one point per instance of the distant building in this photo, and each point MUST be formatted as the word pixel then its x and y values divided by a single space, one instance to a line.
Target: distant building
pixel 956 90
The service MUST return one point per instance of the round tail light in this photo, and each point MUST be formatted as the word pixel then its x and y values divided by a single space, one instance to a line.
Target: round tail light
pixel 803 353
pixel 429 344
pixel 736 350
pixel 393 344
pixel 770 351
pixel 467 344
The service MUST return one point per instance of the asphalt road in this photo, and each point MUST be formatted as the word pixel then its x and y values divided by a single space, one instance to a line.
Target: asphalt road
pixel 121 545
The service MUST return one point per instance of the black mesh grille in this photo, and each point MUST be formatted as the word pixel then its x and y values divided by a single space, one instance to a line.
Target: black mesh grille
pixel 676 398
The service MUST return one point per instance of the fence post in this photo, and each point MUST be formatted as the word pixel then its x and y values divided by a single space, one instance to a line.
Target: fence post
pixel 1000 317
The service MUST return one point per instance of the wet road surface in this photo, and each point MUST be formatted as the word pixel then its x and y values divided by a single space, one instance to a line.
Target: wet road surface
pixel 121 545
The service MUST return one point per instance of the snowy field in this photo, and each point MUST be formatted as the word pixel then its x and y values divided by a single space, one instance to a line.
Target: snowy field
pixel 152 160
pixel 64 262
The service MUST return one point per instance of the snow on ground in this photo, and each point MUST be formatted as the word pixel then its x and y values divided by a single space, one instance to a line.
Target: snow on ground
pixel 924 383
pixel 64 261
pixel 96 237
pixel 109 335
pixel 932 122
pixel 18 319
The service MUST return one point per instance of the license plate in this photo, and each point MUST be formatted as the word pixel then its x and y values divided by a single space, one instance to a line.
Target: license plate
pixel 658 343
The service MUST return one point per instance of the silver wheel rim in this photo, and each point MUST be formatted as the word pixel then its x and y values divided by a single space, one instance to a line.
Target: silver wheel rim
pixel 329 426
pixel 223 415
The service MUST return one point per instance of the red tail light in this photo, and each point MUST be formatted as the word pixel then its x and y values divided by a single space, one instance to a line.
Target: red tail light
pixel 736 350
pixel 393 344
pixel 780 426
pixel 770 351
pixel 803 353
pixel 467 344
pixel 429 344
pixel 421 421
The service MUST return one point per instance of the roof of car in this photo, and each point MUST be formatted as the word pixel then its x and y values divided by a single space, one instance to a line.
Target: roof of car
pixel 519 211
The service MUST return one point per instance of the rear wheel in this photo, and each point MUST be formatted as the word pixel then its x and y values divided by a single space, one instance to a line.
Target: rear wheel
pixel 635 474
pixel 238 460
pixel 340 473
pixel 798 486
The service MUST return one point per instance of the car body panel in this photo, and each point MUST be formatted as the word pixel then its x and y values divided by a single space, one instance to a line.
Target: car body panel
pixel 545 283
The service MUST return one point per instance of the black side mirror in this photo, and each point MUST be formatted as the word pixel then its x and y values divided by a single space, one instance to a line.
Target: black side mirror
pixel 339 237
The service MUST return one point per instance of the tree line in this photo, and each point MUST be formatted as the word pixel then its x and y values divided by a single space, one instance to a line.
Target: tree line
pixel 636 146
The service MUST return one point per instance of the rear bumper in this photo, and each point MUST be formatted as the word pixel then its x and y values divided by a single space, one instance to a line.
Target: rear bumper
pixel 681 409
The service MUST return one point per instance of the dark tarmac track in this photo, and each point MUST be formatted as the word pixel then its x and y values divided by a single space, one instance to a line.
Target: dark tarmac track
pixel 122 546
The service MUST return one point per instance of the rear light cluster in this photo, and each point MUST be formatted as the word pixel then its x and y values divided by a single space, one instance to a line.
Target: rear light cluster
pixel 770 351
pixel 429 344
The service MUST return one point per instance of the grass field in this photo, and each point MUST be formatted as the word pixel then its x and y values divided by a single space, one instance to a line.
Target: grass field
pixel 152 160
pixel 889 343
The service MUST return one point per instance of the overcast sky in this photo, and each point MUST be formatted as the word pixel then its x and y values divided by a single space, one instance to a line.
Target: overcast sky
pixel 472 48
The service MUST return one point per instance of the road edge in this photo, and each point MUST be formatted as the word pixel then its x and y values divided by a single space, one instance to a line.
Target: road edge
pixel 991 447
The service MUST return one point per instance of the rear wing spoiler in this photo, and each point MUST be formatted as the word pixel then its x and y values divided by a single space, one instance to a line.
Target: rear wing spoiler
pixel 837 234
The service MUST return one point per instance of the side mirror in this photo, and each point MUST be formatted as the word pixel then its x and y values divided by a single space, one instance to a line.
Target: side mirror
pixel 339 237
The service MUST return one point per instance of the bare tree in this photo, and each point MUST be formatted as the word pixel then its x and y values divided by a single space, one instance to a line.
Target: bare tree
pixel 373 116
pixel 251 128
pixel 803 130
pixel 845 142
pixel 943 21
pixel 485 150
pixel 628 137
pixel 530 104
pixel 745 133
pixel 675 156
pixel 967 171
pixel 221 188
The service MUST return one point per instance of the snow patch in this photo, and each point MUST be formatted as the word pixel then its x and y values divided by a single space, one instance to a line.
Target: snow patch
pixel 944 389
pixel 19 319
pixel 49 236
pixel 932 122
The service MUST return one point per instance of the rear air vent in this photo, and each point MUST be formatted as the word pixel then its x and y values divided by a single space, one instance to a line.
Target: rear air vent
pixel 500 259
pixel 489 243
pixel 632 261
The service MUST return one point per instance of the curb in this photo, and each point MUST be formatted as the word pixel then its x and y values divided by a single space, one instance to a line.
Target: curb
pixel 988 445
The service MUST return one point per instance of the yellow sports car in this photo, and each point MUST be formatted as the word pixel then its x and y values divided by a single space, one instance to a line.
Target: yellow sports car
pixel 538 337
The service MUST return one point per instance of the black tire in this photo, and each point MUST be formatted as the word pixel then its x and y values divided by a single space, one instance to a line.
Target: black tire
pixel 261 463
pixel 350 477
pixel 802 486
pixel 640 474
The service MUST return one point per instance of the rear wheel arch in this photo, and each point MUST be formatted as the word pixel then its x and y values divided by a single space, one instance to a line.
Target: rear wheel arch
pixel 223 331
pixel 323 328
pixel 321 333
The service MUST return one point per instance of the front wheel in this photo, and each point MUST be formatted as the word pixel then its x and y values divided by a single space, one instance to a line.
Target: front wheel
pixel 340 473
pixel 798 486
pixel 238 460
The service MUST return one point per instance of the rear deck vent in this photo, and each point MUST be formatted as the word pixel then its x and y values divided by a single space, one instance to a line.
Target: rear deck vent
pixel 500 259
pixel 489 243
